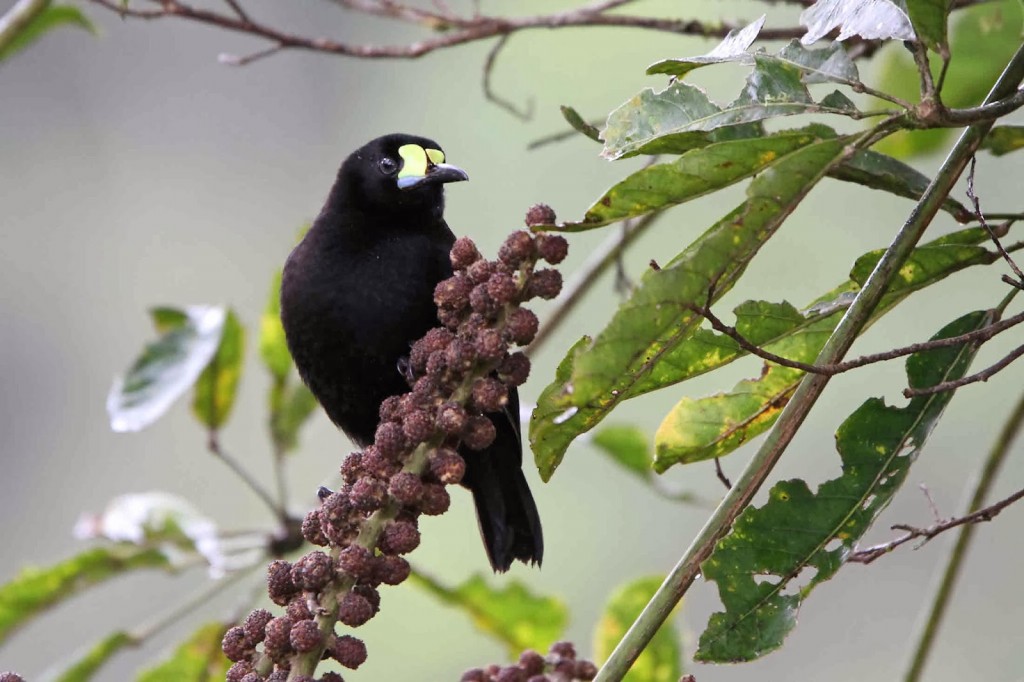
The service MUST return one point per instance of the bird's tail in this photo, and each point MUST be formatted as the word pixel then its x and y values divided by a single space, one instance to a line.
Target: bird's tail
pixel 507 514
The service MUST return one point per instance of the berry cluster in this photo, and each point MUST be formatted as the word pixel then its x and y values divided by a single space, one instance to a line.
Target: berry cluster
pixel 560 665
pixel 457 372
pixel 11 677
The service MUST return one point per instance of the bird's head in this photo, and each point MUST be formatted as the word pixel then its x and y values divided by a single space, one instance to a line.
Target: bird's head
pixel 397 174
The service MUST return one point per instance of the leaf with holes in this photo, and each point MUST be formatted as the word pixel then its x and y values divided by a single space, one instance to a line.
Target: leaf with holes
pixel 870 19
pixel 756 565
pixel 682 117
pixel 732 49
pixel 819 65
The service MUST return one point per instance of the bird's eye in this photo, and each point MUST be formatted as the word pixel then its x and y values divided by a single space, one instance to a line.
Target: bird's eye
pixel 387 165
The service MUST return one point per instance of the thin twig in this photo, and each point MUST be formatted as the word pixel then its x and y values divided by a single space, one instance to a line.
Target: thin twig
pixel 866 556
pixel 214 446
pixel 983 375
pixel 456 30
pixel 976 336
pixel 244 60
pixel 237 8
pixel 976 203
pixel 721 474
pixel 492 96
pixel 944 590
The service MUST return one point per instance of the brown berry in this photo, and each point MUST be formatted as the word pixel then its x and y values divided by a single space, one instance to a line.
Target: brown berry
pixel 354 610
pixel 348 651
pixel 552 247
pixel 464 253
pixel 546 284
pixel 406 488
pixel 515 369
pixel 393 570
pixel 356 561
pixel 517 249
pixel 234 644
pixel 447 466
pixel 540 214
pixel 489 394
pixel 305 636
pixel 521 325
pixel 313 571
pixel 435 499
pixel 479 433
pixel 279 582
pixel 399 538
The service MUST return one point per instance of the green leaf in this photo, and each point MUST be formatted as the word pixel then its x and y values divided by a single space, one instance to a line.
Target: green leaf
pixel 699 429
pixel 556 422
pixel 217 386
pixel 291 407
pixel 982 40
pixel 1004 139
pixel 198 659
pixel 35 589
pixel 870 19
pixel 656 318
pixel 273 345
pixel 694 174
pixel 768 547
pixel 511 614
pixel 732 49
pixel 168 367
pixel 628 446
pixel 879 171
pixel 51 17
pixel 681 117
pixel 661 660
pixel 579 124
pixel 941 257
pixel 929 20
pixel 89 664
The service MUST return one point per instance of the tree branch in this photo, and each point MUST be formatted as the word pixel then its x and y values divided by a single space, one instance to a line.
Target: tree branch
pixel 866 556
pixel 456 30
pixel 976 336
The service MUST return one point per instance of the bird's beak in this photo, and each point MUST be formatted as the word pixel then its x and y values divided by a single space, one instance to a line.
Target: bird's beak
pixel 437 174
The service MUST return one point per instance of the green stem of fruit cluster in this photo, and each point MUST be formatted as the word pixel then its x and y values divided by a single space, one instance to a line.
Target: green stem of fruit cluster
pixel 810 389
pixel 947 583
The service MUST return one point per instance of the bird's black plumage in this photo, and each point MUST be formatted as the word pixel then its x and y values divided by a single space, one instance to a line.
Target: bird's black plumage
pixel 358 291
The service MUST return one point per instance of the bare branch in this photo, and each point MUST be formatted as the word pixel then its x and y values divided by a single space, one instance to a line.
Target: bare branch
pixel 988 228
pixel 492 57
pixel 453 29
pixel 866 556
pixel 983 375
pixel 976 336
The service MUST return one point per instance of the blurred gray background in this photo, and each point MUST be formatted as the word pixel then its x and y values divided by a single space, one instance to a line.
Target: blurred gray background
pixel 135 170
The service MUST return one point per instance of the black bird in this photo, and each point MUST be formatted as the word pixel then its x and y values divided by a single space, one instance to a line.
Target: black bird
pixel 358 291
